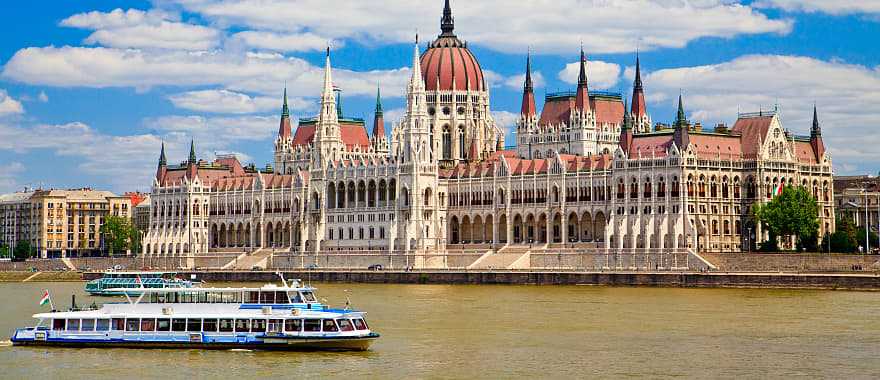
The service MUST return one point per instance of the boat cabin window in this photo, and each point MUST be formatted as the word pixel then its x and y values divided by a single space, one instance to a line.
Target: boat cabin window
pixel 295 297
pixel 102 325
pixel 209 325
pixel 178 324
pixel 132 324
pixel 226 325
pixel 312 325
pixel 59 324
pixel 330 326
pixel 309 297
pixel 73 325
pixel 258 325
pixel 148 324
pixel 193 325
pixel 163 325
pixel 242 325
pixel 118 324
pixel 293 325
pixel 87 325
pixel 360 324
pixel 345 325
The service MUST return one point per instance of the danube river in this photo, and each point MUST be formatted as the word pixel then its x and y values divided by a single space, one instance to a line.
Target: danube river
pixel 465 332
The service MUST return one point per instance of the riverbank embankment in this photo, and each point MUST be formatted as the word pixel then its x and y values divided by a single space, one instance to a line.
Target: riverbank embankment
pixel 838 281
pixel 47 276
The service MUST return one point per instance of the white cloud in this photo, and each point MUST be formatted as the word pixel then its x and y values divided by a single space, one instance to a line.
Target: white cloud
pixel 600 75
pixel 9 174
pixel 217 131
pixel 139 29
pixel 507 122
pixel 835 7
pixel 513 82
pixel 8 105
pixel 847 96
pixel 283 42
pixel 43 97
pixel 261 73
pixel 604 26
pixel 225 101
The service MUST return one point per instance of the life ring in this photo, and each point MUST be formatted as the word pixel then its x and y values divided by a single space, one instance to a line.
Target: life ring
pixel 295 311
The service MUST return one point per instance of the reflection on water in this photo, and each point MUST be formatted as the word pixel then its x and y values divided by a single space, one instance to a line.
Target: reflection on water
pixel 431 331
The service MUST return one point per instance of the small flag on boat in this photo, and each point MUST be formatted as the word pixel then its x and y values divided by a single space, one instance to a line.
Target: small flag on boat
pixel 45 298
pixel 138 281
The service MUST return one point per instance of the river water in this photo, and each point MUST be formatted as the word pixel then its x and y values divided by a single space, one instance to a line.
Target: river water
pixel 465 332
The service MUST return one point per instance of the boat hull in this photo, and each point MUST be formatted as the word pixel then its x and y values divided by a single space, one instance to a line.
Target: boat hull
pixel 267 343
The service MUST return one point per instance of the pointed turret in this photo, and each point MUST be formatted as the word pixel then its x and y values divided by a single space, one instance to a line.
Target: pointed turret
pixel 162 160
pixel 638 97
pixel 328 95
pixel 816 137
pixel 447 22
pixel 284 127
pixel 192 152
pixel 681 134
pixel 163 165
pixel 416 83
pixel 626 131
pixel 378 119
pixel 582 101
pixel 528 100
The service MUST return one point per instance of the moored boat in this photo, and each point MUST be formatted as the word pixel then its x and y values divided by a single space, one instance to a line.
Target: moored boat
pixel 270 317
pixel 115 283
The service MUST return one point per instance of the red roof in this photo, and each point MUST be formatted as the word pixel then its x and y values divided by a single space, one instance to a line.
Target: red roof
pixel 651 144
pixel 803 150
pixel 713 146
pixel 558 110
pixel 353 134
pixel 753 131
pixel 448 61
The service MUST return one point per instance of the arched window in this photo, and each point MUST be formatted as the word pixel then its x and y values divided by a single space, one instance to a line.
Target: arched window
pixel 447 143
pixel 461 147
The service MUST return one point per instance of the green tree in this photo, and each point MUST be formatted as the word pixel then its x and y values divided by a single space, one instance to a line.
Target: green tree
pixel 792 213
pixel 119 234
pixel 22 250
pixel 4 250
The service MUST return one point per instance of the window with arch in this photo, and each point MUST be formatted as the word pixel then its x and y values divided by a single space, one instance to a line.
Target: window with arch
pixel 447 143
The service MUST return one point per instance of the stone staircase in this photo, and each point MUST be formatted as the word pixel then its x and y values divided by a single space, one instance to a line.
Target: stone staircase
pixel 247 261
pixel 509 257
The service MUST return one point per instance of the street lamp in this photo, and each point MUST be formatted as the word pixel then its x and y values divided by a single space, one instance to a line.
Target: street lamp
pixel 749 239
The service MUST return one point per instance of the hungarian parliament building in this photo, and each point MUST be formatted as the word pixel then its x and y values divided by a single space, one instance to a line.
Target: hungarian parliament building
pixel 589 171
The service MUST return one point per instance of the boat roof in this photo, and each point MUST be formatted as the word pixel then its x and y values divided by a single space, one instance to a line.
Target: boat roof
pixel 268 287
pixel 239 314
pixel 137 272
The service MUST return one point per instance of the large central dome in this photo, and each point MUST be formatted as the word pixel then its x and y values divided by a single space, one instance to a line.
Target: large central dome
pixel 448 60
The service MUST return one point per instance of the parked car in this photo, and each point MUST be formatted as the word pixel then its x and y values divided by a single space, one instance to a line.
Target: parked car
pixel 256 268
pixel 312 266
pixel 375 267
pixel 118 267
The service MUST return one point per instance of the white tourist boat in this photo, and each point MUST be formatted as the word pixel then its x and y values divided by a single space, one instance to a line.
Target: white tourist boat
pixel 271 317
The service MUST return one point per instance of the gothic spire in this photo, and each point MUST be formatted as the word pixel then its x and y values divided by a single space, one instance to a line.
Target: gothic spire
pixel 192 152
pixel 582 101
pixel 680 118
pixel 285 112
pixel 816 130
pixel 162 160
pixel 528 99
pixel 378 101
pixel 447 22
pixel 627 118
pixel 638 81
pixel 329 111
pixel 528 85
pixel 416 83
pixel 582 76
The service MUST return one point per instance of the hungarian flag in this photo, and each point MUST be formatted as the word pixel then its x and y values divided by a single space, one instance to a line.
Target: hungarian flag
pixel 138 281
pixel 45 298
pixel 777 190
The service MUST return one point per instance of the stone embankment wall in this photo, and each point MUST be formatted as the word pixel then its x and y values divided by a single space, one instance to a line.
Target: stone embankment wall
pixel 660 279
pixel 787 262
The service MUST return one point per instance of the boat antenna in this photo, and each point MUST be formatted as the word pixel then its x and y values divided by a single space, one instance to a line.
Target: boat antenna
pixel 283 282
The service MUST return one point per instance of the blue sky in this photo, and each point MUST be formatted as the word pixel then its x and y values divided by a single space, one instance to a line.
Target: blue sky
pixel 89 89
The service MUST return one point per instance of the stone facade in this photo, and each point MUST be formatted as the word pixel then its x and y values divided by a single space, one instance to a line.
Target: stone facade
pixel 589 173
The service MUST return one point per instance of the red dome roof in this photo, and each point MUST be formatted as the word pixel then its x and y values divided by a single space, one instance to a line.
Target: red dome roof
pixel 448 58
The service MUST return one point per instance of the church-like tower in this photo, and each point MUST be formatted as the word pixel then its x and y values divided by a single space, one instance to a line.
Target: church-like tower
pixel 462 128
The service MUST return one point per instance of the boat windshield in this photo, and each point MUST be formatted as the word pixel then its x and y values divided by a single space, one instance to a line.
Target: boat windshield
pixel 309 297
